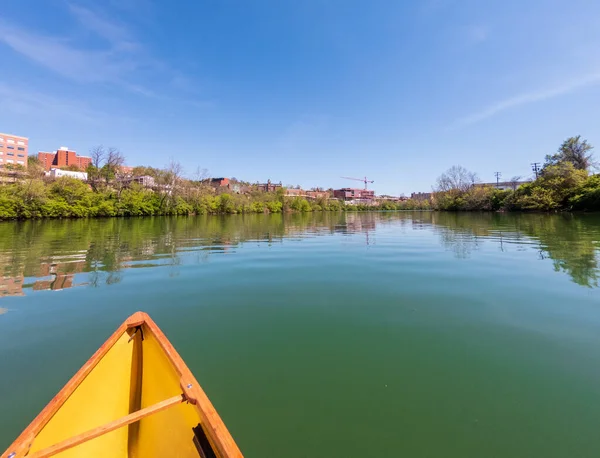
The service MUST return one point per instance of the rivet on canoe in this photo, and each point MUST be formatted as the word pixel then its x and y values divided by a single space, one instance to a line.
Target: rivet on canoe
pixel 189 386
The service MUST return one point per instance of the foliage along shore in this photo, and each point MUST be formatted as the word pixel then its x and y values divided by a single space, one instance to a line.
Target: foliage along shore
pixel 563 184
pixel 70 198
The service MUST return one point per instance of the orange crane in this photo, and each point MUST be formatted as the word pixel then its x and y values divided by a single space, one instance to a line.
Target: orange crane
pixel 364 180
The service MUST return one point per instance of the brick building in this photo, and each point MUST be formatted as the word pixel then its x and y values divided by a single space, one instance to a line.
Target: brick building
pixel 354 194
pixel 317 194
pixel 294 192
pixel 219 182
pixel 63 157
pixel 13 150
pixel 268 186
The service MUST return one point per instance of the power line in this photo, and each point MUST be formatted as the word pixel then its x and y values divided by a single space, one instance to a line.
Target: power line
pixel 535 166
pixel 498 175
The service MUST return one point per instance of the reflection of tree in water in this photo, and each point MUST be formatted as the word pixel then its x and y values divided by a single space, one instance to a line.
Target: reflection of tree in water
pixel 570 241
pixel 456 235
pixel 461 243
pixel 103 248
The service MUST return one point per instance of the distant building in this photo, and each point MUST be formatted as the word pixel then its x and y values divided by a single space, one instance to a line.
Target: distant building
pixel 57 173
pixel 298 192
pixel 13 150
pixel 421 196
pixel 354 194
pixel 63 157
pixel 503 185
pixel 317 194
pixel 224 185
pixel 144 180
pixel 294 192
pixel 388 198
pixel 268 186
pixel 218 182
pixel 125 169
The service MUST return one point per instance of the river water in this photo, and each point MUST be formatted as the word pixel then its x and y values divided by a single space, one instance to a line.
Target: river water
pixel 329 335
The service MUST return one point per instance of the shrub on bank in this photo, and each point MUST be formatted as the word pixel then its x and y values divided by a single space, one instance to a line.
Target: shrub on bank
pixel 559 187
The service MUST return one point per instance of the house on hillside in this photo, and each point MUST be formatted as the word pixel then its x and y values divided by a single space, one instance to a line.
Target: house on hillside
pixel 146 181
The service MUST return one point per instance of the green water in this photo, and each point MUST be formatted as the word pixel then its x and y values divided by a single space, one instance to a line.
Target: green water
pixel 329 335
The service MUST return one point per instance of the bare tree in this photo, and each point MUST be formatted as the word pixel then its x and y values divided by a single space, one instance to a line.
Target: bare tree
pixel 200 174
pixel 169 183
pixel 97 154
pixel 514 182
pixel 174 172
pixel 114 159
pixel 456 178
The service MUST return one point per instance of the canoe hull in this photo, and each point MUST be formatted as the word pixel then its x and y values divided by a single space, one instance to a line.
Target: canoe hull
pixel 135 369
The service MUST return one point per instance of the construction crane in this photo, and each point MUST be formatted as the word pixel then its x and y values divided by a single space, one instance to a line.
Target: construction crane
pixel 364 180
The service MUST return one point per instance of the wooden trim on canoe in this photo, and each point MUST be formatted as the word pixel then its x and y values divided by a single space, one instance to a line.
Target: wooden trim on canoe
pixel 216 430
pixel 22 444
pixel 107 428
pixel 217 433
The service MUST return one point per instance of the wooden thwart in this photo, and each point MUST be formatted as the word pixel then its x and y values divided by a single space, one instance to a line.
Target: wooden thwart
pixel 100 430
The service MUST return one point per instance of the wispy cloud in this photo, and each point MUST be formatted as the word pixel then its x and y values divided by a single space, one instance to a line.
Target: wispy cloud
pixel 527 98
pixel 62 58
pixel 108 29
pixel 116 57
pixel 34 104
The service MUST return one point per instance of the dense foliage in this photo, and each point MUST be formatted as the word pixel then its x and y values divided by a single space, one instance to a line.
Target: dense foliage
pixel 564 184
pixel 67 197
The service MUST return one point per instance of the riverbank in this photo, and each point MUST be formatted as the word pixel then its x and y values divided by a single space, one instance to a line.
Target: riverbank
pixel 71 198
pixel 558 188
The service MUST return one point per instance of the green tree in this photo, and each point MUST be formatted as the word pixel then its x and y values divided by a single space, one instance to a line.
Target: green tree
pixel 552 190
pixel 575 151
pixel 35 169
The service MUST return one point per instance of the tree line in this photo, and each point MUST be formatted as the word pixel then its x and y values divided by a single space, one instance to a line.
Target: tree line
pixel 565 183
pixel 108 192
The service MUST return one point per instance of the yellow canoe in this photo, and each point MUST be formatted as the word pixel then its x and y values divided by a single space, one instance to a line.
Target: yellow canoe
pixel 135 397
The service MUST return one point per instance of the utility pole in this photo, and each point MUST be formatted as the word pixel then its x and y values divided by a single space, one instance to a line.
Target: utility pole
pixel 498 175
pixel 536 169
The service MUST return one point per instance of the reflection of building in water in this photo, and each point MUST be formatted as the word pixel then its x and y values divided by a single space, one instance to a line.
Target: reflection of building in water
pixel 11 286
pixel 362 222
pixel 62 275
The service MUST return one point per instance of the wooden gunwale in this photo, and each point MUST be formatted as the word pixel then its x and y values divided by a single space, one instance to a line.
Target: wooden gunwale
pixel 215 429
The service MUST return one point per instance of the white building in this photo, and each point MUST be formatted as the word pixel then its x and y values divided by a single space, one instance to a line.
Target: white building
pixel 57 173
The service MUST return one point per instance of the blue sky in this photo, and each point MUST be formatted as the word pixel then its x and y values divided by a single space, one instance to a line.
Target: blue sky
pixel 305 92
